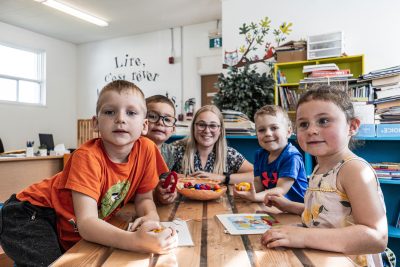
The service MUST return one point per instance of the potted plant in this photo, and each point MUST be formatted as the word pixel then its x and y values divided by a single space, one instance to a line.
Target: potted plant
pixel 244 90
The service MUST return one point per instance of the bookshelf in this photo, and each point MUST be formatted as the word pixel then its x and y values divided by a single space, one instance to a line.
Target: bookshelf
pixel 293 72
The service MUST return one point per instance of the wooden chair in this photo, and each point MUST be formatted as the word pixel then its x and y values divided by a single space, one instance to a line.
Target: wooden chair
pixel 85 131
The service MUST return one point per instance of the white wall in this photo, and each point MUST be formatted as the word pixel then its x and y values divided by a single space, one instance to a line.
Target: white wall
pixel 20 123
pixel 97 59
pixel 370 27
pixel 198 59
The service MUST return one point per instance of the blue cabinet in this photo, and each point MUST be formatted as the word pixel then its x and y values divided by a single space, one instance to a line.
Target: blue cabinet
pixel 385 149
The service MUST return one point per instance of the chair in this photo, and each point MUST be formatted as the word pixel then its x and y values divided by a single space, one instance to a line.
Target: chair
pixel 86 131
pixel 1 146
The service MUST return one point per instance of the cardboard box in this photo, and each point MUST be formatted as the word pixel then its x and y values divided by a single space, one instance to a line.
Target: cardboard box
pixel 366 130
pixel 291 55
pixel 388 130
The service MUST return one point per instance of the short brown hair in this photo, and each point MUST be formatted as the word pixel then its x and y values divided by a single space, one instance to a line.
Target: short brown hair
pixel 273 110
pixel 330 93
pixel 160 99
pixel 120 86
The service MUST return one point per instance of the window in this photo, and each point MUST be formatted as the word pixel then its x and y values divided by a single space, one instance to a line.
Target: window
pixel 22 75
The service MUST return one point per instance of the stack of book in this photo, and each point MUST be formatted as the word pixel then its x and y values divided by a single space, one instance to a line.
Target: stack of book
pixel 237 123
pixel 386 85
pixel 361 92
pixel 387 170
pixel 288 97
pixel 326 74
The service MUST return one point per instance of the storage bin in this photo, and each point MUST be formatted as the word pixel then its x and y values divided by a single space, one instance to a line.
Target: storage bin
pixel 325 45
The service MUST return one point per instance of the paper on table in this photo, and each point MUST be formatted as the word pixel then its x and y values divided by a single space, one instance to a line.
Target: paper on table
pixel 184 236
pixel 247 223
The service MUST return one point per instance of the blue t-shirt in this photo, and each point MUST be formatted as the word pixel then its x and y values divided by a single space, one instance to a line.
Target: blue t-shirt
pixel 289 164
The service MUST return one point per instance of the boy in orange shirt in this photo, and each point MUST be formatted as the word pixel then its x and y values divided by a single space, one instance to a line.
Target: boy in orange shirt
pixel 47 218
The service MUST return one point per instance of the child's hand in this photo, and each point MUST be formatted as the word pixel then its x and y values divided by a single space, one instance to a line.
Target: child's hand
pixel 155 239
pixel 277 200
pixel 140 221
pixel 249 195
pixel 284 236
pixel 163 195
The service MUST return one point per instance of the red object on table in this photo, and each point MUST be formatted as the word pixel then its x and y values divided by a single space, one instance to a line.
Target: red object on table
pixel 168 182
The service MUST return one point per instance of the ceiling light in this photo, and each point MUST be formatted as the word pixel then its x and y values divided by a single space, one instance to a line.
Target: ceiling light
pixel 73 12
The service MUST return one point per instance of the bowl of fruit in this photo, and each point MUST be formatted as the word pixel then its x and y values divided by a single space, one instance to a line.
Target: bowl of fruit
pixel 200 188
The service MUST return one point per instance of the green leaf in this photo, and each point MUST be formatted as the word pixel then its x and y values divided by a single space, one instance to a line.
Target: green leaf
pixel 244 29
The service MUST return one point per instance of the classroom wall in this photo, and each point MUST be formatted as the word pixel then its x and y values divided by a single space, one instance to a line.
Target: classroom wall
pixel 97 63
pixel 22 122
pixel 370 27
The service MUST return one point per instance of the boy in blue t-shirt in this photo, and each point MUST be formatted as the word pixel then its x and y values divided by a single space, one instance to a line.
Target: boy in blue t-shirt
pixel 278 165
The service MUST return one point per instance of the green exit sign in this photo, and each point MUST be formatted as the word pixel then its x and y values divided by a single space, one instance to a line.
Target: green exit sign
pixel 215 42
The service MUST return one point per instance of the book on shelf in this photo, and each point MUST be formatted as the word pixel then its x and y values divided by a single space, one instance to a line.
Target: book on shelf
pixel 386 81
pixel 288 98
pixel 394 166
pixel 386 99
pixel 330 73
pixel 319 67
pixel 388 104
pixel 387 93
pixel 387 87
pixel 381 73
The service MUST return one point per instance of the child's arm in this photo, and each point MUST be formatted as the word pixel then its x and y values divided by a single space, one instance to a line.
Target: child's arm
pixel 282 187
pixel 145 209
pixel 244 174
pixel 283 204
pixel 367 235
pixel 96 230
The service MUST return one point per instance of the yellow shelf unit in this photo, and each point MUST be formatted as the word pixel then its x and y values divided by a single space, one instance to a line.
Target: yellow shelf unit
pixel 293 71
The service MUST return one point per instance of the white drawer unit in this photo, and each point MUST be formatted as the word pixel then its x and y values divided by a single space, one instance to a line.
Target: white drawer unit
pixel 325 45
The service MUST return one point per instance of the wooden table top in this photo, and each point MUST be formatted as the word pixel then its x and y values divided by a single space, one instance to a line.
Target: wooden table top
pixel 212 246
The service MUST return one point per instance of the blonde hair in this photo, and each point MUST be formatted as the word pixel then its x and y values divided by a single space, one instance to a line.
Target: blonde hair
pixel 220 146
pixel 273 110
pixel 120 86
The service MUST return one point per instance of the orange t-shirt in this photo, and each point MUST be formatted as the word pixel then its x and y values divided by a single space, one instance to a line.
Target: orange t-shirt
pixel 90 172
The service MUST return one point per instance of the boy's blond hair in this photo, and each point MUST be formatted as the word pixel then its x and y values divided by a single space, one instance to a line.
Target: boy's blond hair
pixel 120 86
pixel 273 110
pixel 160 99
pixel 220 147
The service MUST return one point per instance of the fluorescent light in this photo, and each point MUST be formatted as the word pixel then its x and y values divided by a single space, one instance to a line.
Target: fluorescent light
pixel 73 12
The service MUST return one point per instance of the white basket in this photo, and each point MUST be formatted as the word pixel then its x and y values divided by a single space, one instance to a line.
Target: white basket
pixel 325 45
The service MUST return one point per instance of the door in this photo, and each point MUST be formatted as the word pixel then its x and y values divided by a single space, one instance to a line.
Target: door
pixel 208 89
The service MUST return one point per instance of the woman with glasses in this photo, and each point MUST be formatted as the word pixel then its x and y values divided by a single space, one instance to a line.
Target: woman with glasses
pixel 205 152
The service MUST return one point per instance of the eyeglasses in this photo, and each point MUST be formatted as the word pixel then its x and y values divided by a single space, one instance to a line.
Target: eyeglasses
pixel 201 126
pixel 167 120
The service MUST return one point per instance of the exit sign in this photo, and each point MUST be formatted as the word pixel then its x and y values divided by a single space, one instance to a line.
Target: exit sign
pixel 215 42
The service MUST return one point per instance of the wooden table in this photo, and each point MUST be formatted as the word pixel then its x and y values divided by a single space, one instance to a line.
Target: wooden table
pixel 18 173
pixel 212 246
